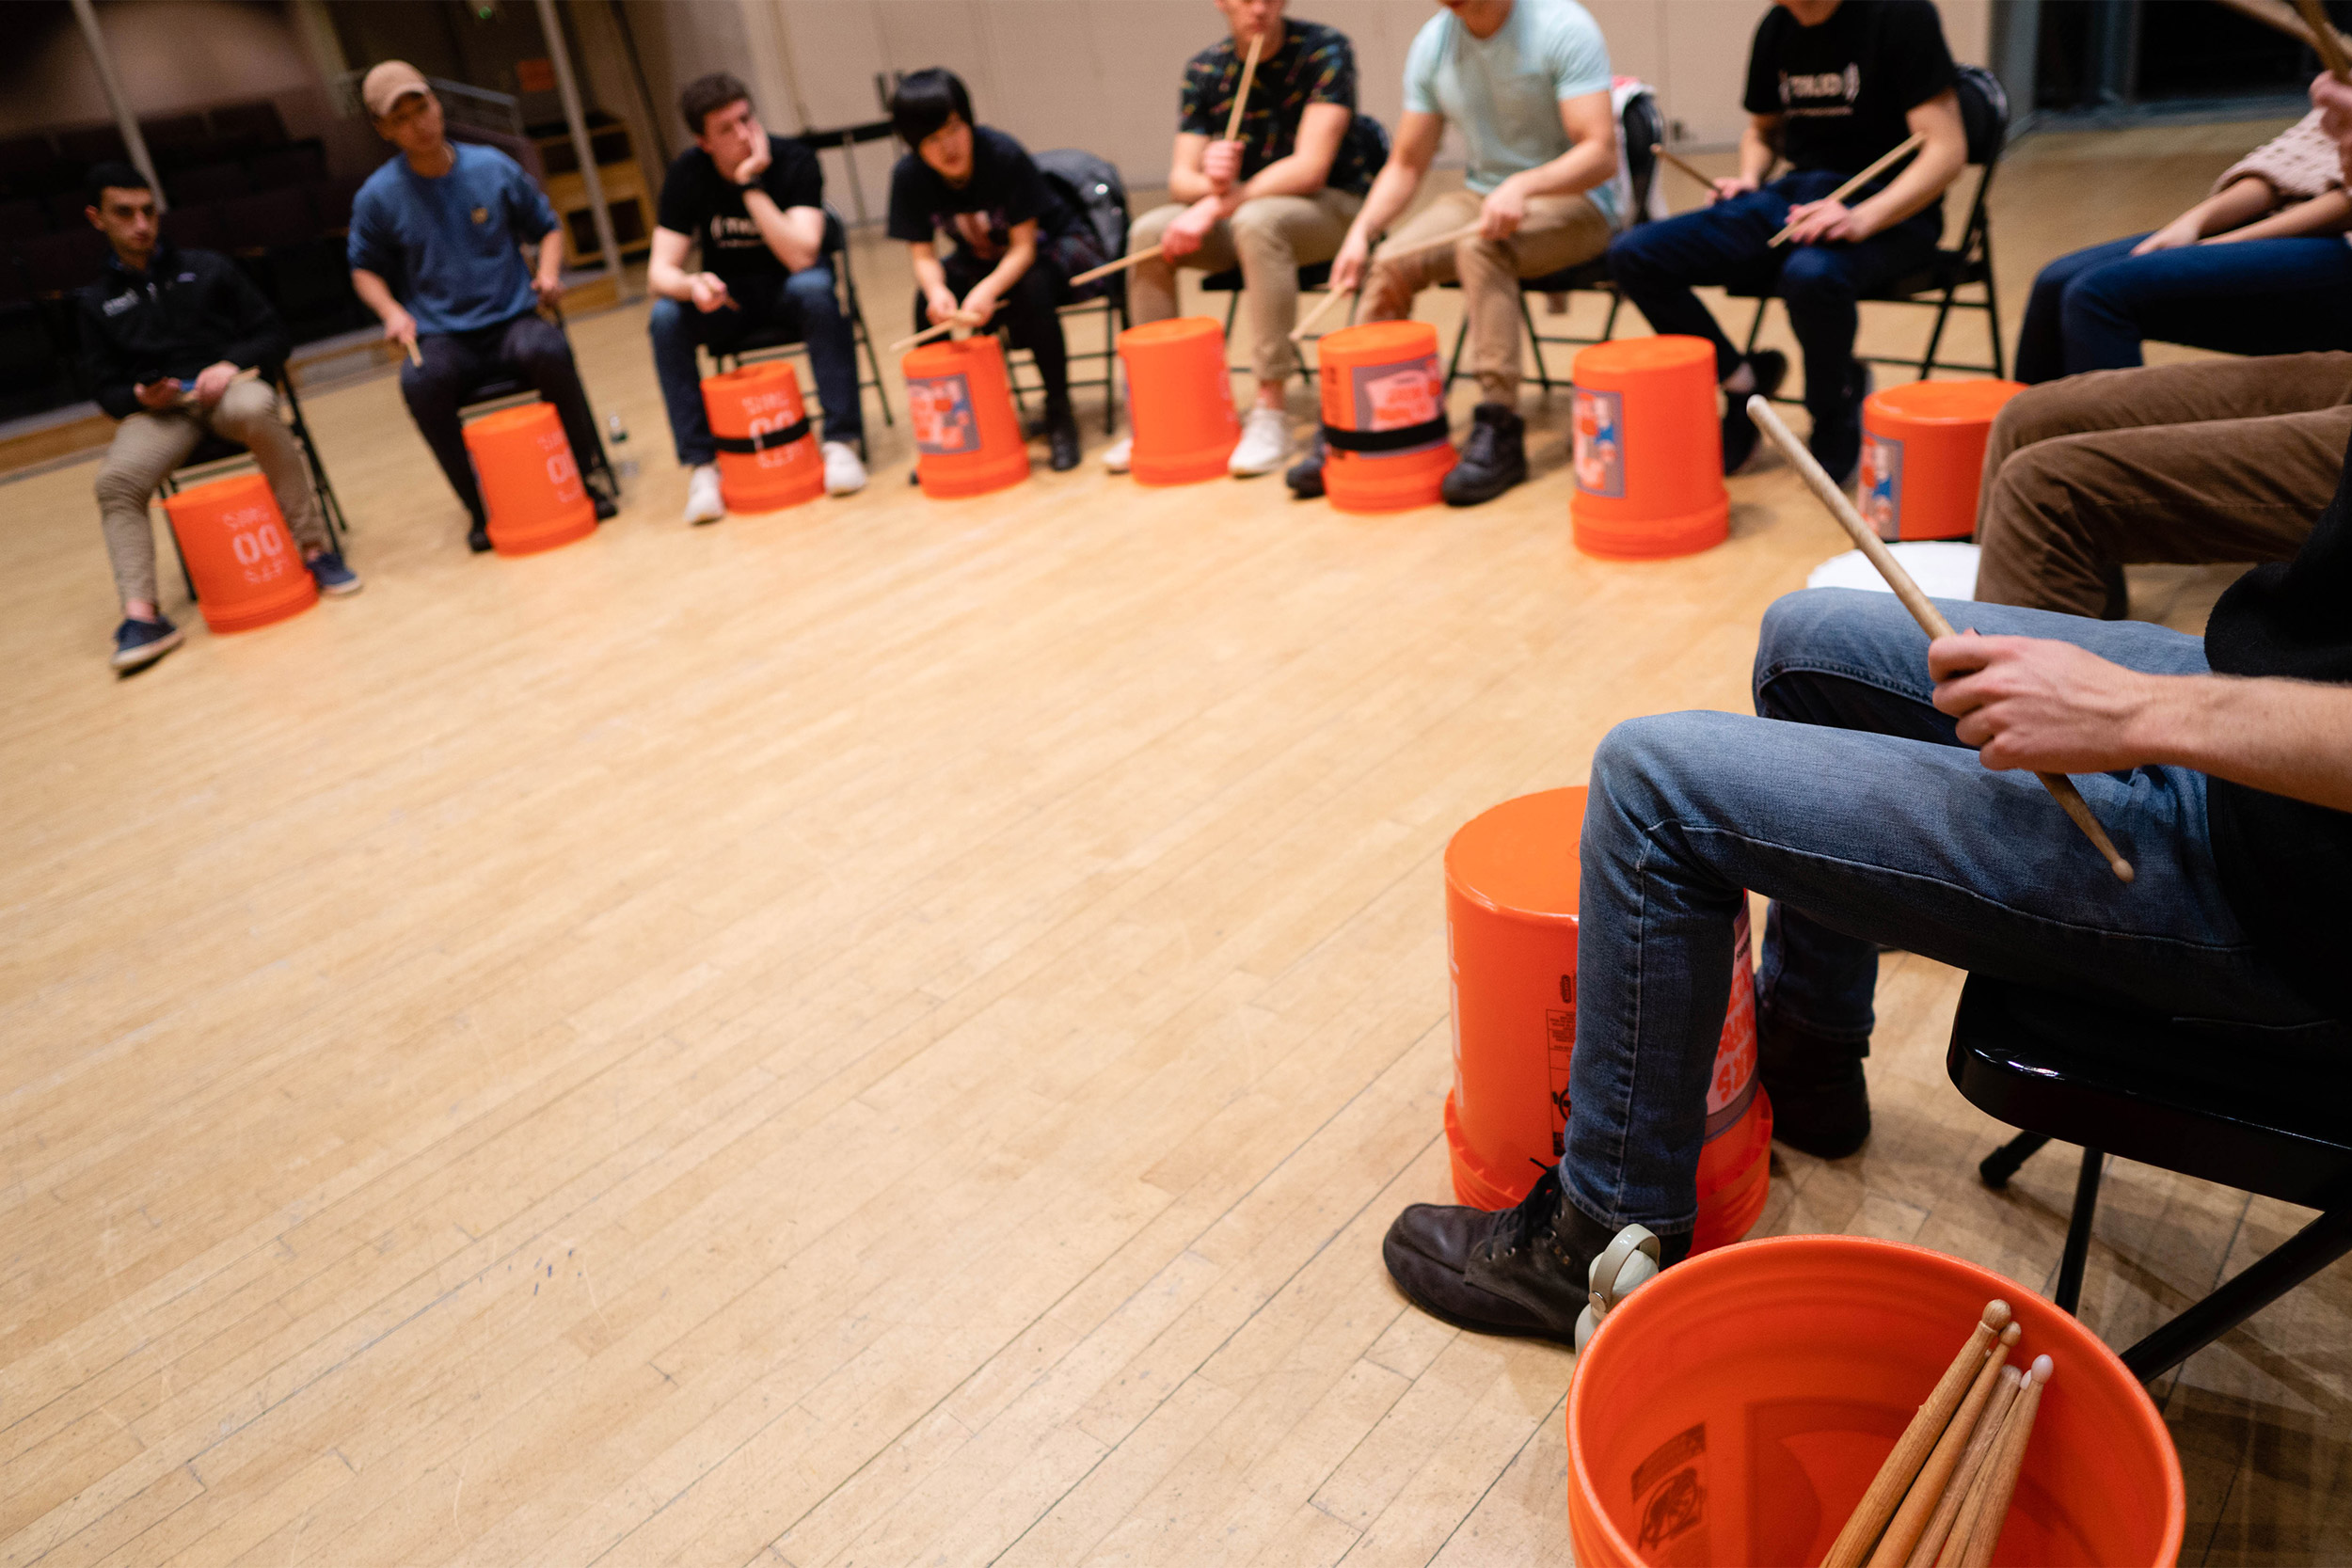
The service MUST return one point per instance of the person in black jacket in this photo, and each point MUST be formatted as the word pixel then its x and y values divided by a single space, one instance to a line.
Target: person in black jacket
pixel 177 344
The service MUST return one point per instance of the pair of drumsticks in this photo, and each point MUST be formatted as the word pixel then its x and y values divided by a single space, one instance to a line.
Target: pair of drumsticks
pixel 1879 165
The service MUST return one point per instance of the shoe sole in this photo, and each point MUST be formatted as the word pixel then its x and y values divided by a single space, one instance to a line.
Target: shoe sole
pixel 145 654
pixel 341 590
pixel 697 520
pixel 1481 500
pixel 1278 465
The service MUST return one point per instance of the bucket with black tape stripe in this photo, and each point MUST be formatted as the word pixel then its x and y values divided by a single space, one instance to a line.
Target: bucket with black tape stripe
pixel 1383 417
pixel 768 458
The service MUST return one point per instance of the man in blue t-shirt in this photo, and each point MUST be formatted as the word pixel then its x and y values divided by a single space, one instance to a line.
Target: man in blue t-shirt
pixel 1526 84
pixel 436 251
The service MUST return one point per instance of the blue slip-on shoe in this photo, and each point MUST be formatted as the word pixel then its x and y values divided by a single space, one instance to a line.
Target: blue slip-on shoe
pixel 328 571
pixel 139 644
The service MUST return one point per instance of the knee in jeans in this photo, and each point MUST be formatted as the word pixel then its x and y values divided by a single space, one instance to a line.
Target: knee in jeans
pixel 666 318
pixel 1636 757
pixel 1816 275
pixel 1628 258
pixel 1806 626
pixel 810 292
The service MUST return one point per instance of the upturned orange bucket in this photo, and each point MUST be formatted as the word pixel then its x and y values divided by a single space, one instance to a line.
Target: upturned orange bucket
pixel 1647 449
pixel 1733 1411
pixel 1923 455
pixel 966 430
pixel 246 570
pixel 1180 400
pixel 531 485
pixel 1511 889
pixel 1383 417
pixel 767 456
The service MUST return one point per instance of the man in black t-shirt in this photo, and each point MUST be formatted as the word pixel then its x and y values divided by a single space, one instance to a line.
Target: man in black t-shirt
pixel 1017 241
pixel 753 204
pixel 1832 84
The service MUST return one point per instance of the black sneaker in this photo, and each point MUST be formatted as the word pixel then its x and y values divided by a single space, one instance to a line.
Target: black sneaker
pixel 604 491
pixel 1821 1098
pixel 607 508
pixel 1770 367
pixel 1306 475
pixel 1061 434
pixel 1836 441
pixel 1494 457
pixel 139 644
pixel 1521 1272
pixel 327 570
pixel 478 539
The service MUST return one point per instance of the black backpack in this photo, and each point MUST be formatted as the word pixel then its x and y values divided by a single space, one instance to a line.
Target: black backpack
pixel 1094 191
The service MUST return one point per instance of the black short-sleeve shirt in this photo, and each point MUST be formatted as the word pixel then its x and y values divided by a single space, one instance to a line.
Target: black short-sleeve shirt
pixel 1005 188
pixel 1314 63
pixel 1843 87
pixel 707 207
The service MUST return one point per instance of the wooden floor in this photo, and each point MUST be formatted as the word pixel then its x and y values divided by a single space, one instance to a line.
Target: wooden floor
pixel 888 1032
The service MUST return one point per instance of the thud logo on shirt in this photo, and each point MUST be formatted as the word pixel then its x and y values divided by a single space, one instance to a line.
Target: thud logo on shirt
pixel 1826 92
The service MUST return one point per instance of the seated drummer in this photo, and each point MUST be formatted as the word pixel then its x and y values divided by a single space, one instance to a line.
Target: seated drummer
pixel 436 251
pixel 755 205
pixel 1280 197
pixel 1527 83
pixel 166 335
pixel 1883 795
pixel 1017 242
pixel 1832 85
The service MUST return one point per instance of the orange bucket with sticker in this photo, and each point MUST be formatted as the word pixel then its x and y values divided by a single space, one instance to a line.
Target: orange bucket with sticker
pixel 1735 1409
pixel 530 486
pixel 966 431
pixel 246 570
pixel 768 458
pixel 1923 455
pixel 1383 417
pixel 1180 399
pixel 1647 449
pixel 1511 887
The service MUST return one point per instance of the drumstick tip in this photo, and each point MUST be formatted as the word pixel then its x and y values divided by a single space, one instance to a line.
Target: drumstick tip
pixel 1997 1314
pixel 2043 1368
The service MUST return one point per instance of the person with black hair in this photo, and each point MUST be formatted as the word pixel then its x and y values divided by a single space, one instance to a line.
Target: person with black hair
pixel 755 206
pixel 177 344
pixel 1018 243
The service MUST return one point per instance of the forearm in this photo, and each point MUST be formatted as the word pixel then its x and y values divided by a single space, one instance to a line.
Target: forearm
pixel 2328 214
pixel 550 266
pixel 1921 181
pixel 775 227
pixel 668 279
pixel 2241 201
pixel 373 293
pixel 1579 168
pixel 1019 257
pixel 1296 175
pixel 1756 153
pixel 1187 185
pixel 2285 737
pixel 930 276
pixel 1392 193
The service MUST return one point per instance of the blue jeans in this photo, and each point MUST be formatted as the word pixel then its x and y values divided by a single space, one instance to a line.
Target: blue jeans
pixel 1850 802
pixel 2090 309
pixel 1656 263
pixel 802 302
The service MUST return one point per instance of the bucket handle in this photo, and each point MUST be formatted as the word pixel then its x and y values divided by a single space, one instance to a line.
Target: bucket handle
pixel 1626 1265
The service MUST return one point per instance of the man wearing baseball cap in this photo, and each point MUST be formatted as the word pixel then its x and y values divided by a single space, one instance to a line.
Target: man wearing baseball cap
pixel 436 251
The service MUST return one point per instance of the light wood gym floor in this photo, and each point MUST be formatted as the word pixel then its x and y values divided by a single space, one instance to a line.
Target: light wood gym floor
pixel 887 1032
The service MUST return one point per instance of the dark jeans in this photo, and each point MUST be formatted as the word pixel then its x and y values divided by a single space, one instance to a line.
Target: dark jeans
pixel 803 303
pixel 2090 309
pixel 1655 264
pixel 457 362
pixel 1029 308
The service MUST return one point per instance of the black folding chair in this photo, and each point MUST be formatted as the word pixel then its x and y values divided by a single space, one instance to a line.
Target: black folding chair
pixel 776 341
pixel 2173 1094
pixel 1093 185
pixel 217 455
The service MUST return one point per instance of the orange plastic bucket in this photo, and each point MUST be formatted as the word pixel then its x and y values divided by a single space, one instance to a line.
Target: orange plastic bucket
pixel 530 486
pixel 1180 399
pixel 1923 455
pixel 1648 450
pixel 767 456
pixel 1382 381
pixel 1733 1410
pixel 966 431
pixel 246 570
pixel 1511 880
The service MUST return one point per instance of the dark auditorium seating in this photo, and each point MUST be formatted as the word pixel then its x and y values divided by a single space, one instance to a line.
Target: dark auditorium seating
pixel 59 264
pixel 298 164
pixel 21 219
pixel 208 182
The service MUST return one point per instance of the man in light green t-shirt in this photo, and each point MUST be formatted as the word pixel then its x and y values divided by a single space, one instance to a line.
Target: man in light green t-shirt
pixel 1527 83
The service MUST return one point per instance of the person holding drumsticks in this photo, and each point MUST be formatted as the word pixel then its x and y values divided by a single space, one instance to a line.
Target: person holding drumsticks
pixel 1276 198
pixel 1526 84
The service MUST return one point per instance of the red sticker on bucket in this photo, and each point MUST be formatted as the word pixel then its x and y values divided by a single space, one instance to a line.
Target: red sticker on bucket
pixel 1598 423
pixel 941 410
pixel 1881 487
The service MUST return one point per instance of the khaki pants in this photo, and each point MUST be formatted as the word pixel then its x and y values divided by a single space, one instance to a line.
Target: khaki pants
pixel 1269 238
pixel 1560 231
pixel 2218 461
pixel 148 446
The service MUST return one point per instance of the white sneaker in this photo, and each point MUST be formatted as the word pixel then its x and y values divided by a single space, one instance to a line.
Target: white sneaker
pixel 844 474
pixel 704 505
pixel 1119 454
pixel 1265 443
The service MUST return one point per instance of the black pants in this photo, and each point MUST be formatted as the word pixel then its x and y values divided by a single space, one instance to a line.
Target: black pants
pixel 1028 309
pixel 458 363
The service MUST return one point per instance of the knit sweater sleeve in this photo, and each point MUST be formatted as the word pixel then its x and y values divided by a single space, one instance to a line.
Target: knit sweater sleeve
pixel 2299 162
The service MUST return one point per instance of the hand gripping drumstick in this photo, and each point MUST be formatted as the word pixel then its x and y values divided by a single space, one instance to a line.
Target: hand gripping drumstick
pixel 1886 1489
pixel 1922 609
pixel 1908 145
pixel 930 332
pixel 1387 251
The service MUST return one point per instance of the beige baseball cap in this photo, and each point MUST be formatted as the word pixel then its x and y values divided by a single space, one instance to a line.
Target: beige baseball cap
pixel 387 84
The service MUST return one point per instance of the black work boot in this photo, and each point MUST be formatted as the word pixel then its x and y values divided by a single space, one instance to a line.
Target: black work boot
pixel 1821 1100
pixel 1494 457
pixel 1306 475
pixel 1521 1272
pixel 1061 436
pixel 1770 367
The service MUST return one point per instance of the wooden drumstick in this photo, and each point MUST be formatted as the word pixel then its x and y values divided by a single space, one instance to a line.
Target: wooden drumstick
pixel 1394 248
pixel 935 330
pixel 1981 1443
pixel 1684 164
pixel 2274 13
pixel 415 357
pixel 1908 145
pixel 1886 1489
pixel 1919 1503
pixel 1249 73
pixel 1146 254
pixel 1298 333
pixel 1922 609
pixel 2324 39
pixel 1998 1483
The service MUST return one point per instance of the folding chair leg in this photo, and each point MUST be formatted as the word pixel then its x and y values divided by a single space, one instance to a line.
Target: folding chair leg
pixel 1608 327
pixel 1756 328
pixel 1535 342
pixel 1993 326
pixel 1454 366
pixel 2302 1256
pixel 1995 1168
pixel 184 574
pixel 2070 1279
pixel 1935 335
